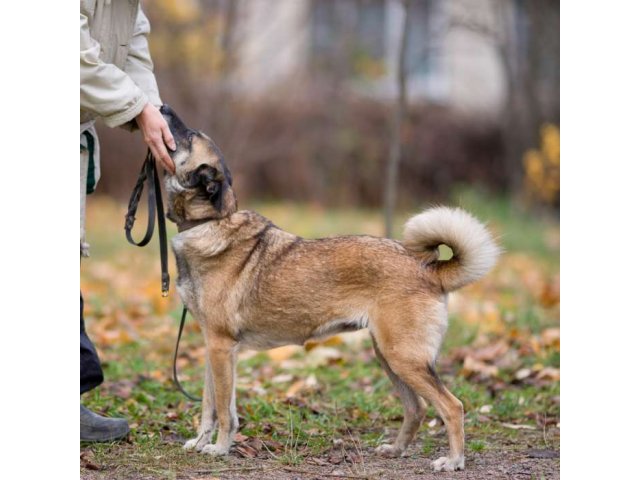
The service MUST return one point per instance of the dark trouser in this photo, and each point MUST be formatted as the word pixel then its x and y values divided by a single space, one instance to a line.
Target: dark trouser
pixel 90 369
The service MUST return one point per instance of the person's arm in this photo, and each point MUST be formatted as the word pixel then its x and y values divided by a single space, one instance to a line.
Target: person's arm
pixel 139 65
pixel 106 90
pixel 113 95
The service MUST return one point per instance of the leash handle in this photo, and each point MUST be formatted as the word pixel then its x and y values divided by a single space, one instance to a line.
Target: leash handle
pixel 175 360
pixel 149 175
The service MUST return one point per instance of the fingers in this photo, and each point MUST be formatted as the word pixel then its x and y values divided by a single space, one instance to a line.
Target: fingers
pixel 160 153
pixel 156 134
pixel 168 138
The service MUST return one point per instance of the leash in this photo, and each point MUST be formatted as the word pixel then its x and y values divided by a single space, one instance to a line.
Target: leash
pixel 176 382
pixel 149 175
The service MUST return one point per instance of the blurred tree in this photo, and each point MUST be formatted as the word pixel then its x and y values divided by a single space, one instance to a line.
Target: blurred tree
pixel 395 144
pixel 526 37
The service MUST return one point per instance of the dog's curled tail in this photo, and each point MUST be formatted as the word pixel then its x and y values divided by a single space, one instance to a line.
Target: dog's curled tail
pixel 474 250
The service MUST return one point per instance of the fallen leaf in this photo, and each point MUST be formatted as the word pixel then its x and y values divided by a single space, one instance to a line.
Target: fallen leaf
pixel 87 460
pixel 240 437
pixel 550 294
pixel 471 366
pixel 245 450
pixel 282 378
pixel 549 373
pixel 551 337
pixel 282 353
pixel 329 342
pixel 492 351
pixel 172 416
pixel 523 373
pixel 322 356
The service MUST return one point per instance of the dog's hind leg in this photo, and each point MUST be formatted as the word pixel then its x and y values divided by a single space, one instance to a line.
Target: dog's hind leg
pixel 209 417
pixel 417 371
pixel 414 411
pixel 409 339
pixel 222 355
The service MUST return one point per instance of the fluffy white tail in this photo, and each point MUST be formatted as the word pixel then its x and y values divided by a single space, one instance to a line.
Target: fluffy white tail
pixel 474 250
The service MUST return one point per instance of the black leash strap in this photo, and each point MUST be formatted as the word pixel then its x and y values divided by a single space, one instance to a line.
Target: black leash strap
pixel 175 361
pixel 149 174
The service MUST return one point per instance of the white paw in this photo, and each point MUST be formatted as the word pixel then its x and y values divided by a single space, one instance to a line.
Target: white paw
pixel 215 450
pixel 387 450
pixel 197 443
pixel 448 464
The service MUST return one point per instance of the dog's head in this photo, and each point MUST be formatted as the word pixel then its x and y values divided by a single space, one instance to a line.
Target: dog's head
pixel 201 187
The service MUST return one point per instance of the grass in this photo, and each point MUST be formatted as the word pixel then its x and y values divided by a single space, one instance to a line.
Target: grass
pixel 350 400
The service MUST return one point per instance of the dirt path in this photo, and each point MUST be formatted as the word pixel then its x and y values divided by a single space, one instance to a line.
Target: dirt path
pixel 510 459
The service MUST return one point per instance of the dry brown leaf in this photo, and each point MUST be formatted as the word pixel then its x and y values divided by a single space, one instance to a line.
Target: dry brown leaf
pixel 548 373
pixel 551 337
pixel 491 352
pixel 87 460
pixel 172 416
pixel 240 437
pixel 282 353
pixel 245 450
pixel 329 342
pixel 322 356
pixel 472 366
pixel 294 389
pixel 550 293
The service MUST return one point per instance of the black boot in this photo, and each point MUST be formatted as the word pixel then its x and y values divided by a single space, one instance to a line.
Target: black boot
pixel 96 428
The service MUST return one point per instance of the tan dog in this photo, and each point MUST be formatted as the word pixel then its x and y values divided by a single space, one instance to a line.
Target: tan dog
pixel 252 285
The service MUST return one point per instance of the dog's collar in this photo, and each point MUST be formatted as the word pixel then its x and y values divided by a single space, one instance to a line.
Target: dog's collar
pixel 189 224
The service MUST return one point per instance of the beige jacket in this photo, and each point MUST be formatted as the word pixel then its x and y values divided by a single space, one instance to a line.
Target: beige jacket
pixel 116 71
pixel 116 77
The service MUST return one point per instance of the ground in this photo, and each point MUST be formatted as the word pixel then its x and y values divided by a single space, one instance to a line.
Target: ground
pixel 320 411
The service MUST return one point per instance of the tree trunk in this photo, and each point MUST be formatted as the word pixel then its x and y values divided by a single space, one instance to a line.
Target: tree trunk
pixel 395 147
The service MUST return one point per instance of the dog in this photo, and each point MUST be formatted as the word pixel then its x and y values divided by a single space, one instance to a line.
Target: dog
pixel 252 285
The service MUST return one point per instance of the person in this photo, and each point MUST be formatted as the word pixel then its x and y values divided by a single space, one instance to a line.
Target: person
pixel 117 85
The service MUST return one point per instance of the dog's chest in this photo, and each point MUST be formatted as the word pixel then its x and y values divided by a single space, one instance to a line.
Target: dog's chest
pixel 186 284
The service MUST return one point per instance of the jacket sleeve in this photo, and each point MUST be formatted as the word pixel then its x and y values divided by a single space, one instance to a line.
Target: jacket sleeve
pixel 106 90
pixel 139 65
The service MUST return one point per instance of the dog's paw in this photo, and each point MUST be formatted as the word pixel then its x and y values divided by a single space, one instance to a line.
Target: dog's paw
pixel 215 450
pixel 448 464
pixel 197 443
pixel 388 451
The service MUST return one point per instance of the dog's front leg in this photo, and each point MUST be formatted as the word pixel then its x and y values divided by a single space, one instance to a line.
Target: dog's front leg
pixel 222 356
pixel 209 417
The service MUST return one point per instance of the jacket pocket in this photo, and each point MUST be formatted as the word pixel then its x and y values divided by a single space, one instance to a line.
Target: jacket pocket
pixel 122 51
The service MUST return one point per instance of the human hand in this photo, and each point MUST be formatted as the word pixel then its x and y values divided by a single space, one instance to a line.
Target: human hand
pixel 156 134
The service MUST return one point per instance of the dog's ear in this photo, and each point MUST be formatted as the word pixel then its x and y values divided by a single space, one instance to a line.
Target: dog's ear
pixel 208 178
